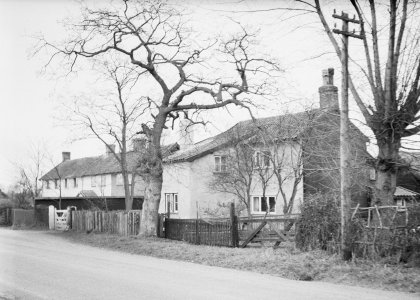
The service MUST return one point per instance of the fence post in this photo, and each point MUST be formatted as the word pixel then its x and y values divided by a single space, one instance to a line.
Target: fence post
pixel 51 217
pixel 197 232
pixel 234 226
pixel 165 224
pixel 8 214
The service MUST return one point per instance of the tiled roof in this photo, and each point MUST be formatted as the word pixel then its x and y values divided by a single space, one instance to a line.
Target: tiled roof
pixel 89 166
pixel 281 127
pixel 400 191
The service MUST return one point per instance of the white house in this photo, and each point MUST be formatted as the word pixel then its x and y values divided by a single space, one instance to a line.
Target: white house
pixel 189 173
pixel 282 148
pixel 91 181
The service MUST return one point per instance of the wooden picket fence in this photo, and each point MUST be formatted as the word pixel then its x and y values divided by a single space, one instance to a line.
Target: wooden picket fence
pixel 230 232
pixel 197 231
pixel 114 222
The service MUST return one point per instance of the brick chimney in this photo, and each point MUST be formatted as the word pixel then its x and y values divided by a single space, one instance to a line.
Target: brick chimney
pixel 186 133
pixel 328 92
pixel 66 156
pixel 108 151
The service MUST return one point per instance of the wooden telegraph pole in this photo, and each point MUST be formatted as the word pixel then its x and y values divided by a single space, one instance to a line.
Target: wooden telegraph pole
pixel 345 192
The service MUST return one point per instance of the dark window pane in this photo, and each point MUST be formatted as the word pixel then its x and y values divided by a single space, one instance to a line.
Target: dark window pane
pixel 263 204
pixel 272 204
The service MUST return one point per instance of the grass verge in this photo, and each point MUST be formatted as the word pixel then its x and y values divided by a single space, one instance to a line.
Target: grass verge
pixel 286 261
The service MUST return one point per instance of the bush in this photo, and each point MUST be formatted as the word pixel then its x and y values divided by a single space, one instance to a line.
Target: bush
pixel 319 224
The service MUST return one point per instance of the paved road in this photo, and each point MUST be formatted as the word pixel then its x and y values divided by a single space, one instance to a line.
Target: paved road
pixel 35 265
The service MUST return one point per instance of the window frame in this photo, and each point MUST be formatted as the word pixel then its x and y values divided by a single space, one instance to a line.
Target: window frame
pixel 220 167
pixel 66 183
pixel 272 209
pixel 47 184
pixel 55 183
pixel 262 159
pixel 173 203
pixel 75 184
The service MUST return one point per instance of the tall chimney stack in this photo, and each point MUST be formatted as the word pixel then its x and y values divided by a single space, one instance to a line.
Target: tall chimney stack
pixel 328 92
pixel 66 156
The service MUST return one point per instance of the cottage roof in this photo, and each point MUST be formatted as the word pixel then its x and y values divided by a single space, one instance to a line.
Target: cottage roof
pixel 103 164
pixel 400 191
pixel 242 130
pixel 283 127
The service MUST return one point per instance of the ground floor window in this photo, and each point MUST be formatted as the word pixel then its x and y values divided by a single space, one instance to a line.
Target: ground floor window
pixel 263 204
pixel 171 202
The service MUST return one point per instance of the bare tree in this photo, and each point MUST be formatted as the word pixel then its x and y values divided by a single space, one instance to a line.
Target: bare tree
pixel 259 158
pixel 294 151
pixel 152 37
pixel 391 69
pixel 113 116
pixel 238 176
pixel 30 170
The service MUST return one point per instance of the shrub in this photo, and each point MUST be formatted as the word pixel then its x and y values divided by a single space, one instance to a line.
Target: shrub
pixel 319 224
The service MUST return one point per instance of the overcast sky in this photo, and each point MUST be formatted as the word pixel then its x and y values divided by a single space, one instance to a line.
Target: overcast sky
pixel 31 101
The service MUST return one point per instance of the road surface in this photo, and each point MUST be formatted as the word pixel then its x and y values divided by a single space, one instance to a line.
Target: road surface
pixel 36 265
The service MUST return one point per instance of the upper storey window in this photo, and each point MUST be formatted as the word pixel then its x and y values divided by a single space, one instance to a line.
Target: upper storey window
pixel 220 163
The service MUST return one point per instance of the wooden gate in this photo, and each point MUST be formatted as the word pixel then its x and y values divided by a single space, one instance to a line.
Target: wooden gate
pixel 274 229
pixel 59 219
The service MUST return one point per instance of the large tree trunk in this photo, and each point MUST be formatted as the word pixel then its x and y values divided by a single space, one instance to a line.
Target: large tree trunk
pixel 385 187
pixel 149 216
pixel 153 177
pixel 386 169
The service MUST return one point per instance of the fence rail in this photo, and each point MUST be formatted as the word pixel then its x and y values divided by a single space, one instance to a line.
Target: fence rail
pixel 114 222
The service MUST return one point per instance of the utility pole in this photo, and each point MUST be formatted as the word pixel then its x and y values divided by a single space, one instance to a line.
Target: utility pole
pixel 345 192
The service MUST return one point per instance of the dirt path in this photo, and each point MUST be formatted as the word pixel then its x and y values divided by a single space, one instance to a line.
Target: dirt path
pixel 35 265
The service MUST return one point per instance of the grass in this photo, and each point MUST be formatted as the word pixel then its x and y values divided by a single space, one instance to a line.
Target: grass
pixel 286 261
